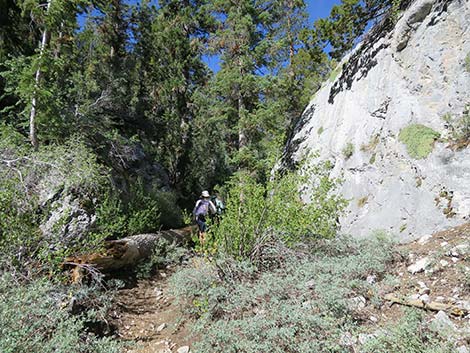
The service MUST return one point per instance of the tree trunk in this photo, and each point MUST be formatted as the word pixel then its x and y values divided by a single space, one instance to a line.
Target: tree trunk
pixel 434 306
pixel 32 116
pixel 126 252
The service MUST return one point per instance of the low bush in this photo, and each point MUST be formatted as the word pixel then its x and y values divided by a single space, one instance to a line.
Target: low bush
pixel 303 305
pixel 410 335
pixel 348 150
pixel 35 317
pixel 418 139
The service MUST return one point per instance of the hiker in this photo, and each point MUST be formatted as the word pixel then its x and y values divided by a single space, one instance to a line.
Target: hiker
pixel 203 208
pixel 219 206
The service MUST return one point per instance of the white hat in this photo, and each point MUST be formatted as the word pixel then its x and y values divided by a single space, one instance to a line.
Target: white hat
pixel 205 193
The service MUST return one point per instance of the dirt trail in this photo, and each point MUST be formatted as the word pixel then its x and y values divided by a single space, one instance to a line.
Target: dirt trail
pixel 147 314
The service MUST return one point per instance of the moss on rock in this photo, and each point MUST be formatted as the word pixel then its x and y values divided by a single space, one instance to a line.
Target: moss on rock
pixel 419 140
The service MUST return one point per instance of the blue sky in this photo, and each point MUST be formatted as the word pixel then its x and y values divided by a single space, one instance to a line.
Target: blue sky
pixel 316 9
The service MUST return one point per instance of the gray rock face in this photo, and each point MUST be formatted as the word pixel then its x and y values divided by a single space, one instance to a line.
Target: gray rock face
pixel 414 74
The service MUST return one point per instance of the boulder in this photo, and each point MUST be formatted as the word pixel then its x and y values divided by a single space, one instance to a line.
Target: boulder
pixel 420 265
pixel 405 79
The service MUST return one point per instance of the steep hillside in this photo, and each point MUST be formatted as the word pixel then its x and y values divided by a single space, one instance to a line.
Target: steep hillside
pixel 394 121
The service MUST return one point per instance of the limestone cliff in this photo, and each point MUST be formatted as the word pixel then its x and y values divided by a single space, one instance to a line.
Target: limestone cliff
pixel 393 119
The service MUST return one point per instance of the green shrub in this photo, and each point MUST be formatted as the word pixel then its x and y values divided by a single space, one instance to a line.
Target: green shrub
pixel 410 335
pixel 165 253
pixel 171 215
pixel 258 213
pixel 302 306
pixel 142 210
pixel 320 130
pixel 34 318
pixel 419 140
pixel 348 150
pixel 467 63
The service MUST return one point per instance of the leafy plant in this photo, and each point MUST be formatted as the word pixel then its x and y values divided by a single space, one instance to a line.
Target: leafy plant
pixel 467 63
pixel 418 139
pixel 348 150
pixel 410 335
pixel 34 317
pixel 258 213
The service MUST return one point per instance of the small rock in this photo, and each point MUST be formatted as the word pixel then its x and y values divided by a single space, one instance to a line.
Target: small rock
pixel 163 274
pixel 444 263
pixel 442 323
pixel 161 327
pixel 414 296
pixel 423 291
pixel 463 304
pixel 347 340
pixel 373 319
pixel 364 337
pixel 357 303
pixel 184 349
pixel 462 349
pixel 422 284
pixel 424 239
pixel 444 244
pixel 460 250
pixel 310 284
pixel 440 299
pixel 371 279
pixel 420 265
pixel 455 259
pixel 425 298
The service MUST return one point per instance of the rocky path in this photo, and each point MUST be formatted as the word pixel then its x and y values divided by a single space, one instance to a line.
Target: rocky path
pixel 147 316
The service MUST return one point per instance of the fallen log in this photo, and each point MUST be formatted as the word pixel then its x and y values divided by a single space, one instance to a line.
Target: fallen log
pixel 434 306
pixel 126 252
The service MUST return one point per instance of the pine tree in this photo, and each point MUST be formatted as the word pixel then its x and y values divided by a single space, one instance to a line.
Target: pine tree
pixel 240 40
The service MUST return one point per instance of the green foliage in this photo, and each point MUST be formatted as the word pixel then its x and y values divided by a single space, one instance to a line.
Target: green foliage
pixel 410 335
pixel 29 184
pixel 111 221
pixel 419 140
pixel 349 20
pixel 34 318
pixel 257 213
pixel 142 210
pixel 164 254
pixel 171 215
pixel 467 63
pixel 348 150
pixel 301 306
pixel 320 130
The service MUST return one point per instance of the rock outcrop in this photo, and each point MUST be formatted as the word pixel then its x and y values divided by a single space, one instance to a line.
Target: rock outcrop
pixel 389 124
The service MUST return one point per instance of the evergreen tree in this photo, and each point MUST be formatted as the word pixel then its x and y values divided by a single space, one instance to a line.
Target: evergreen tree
pixel 240 40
